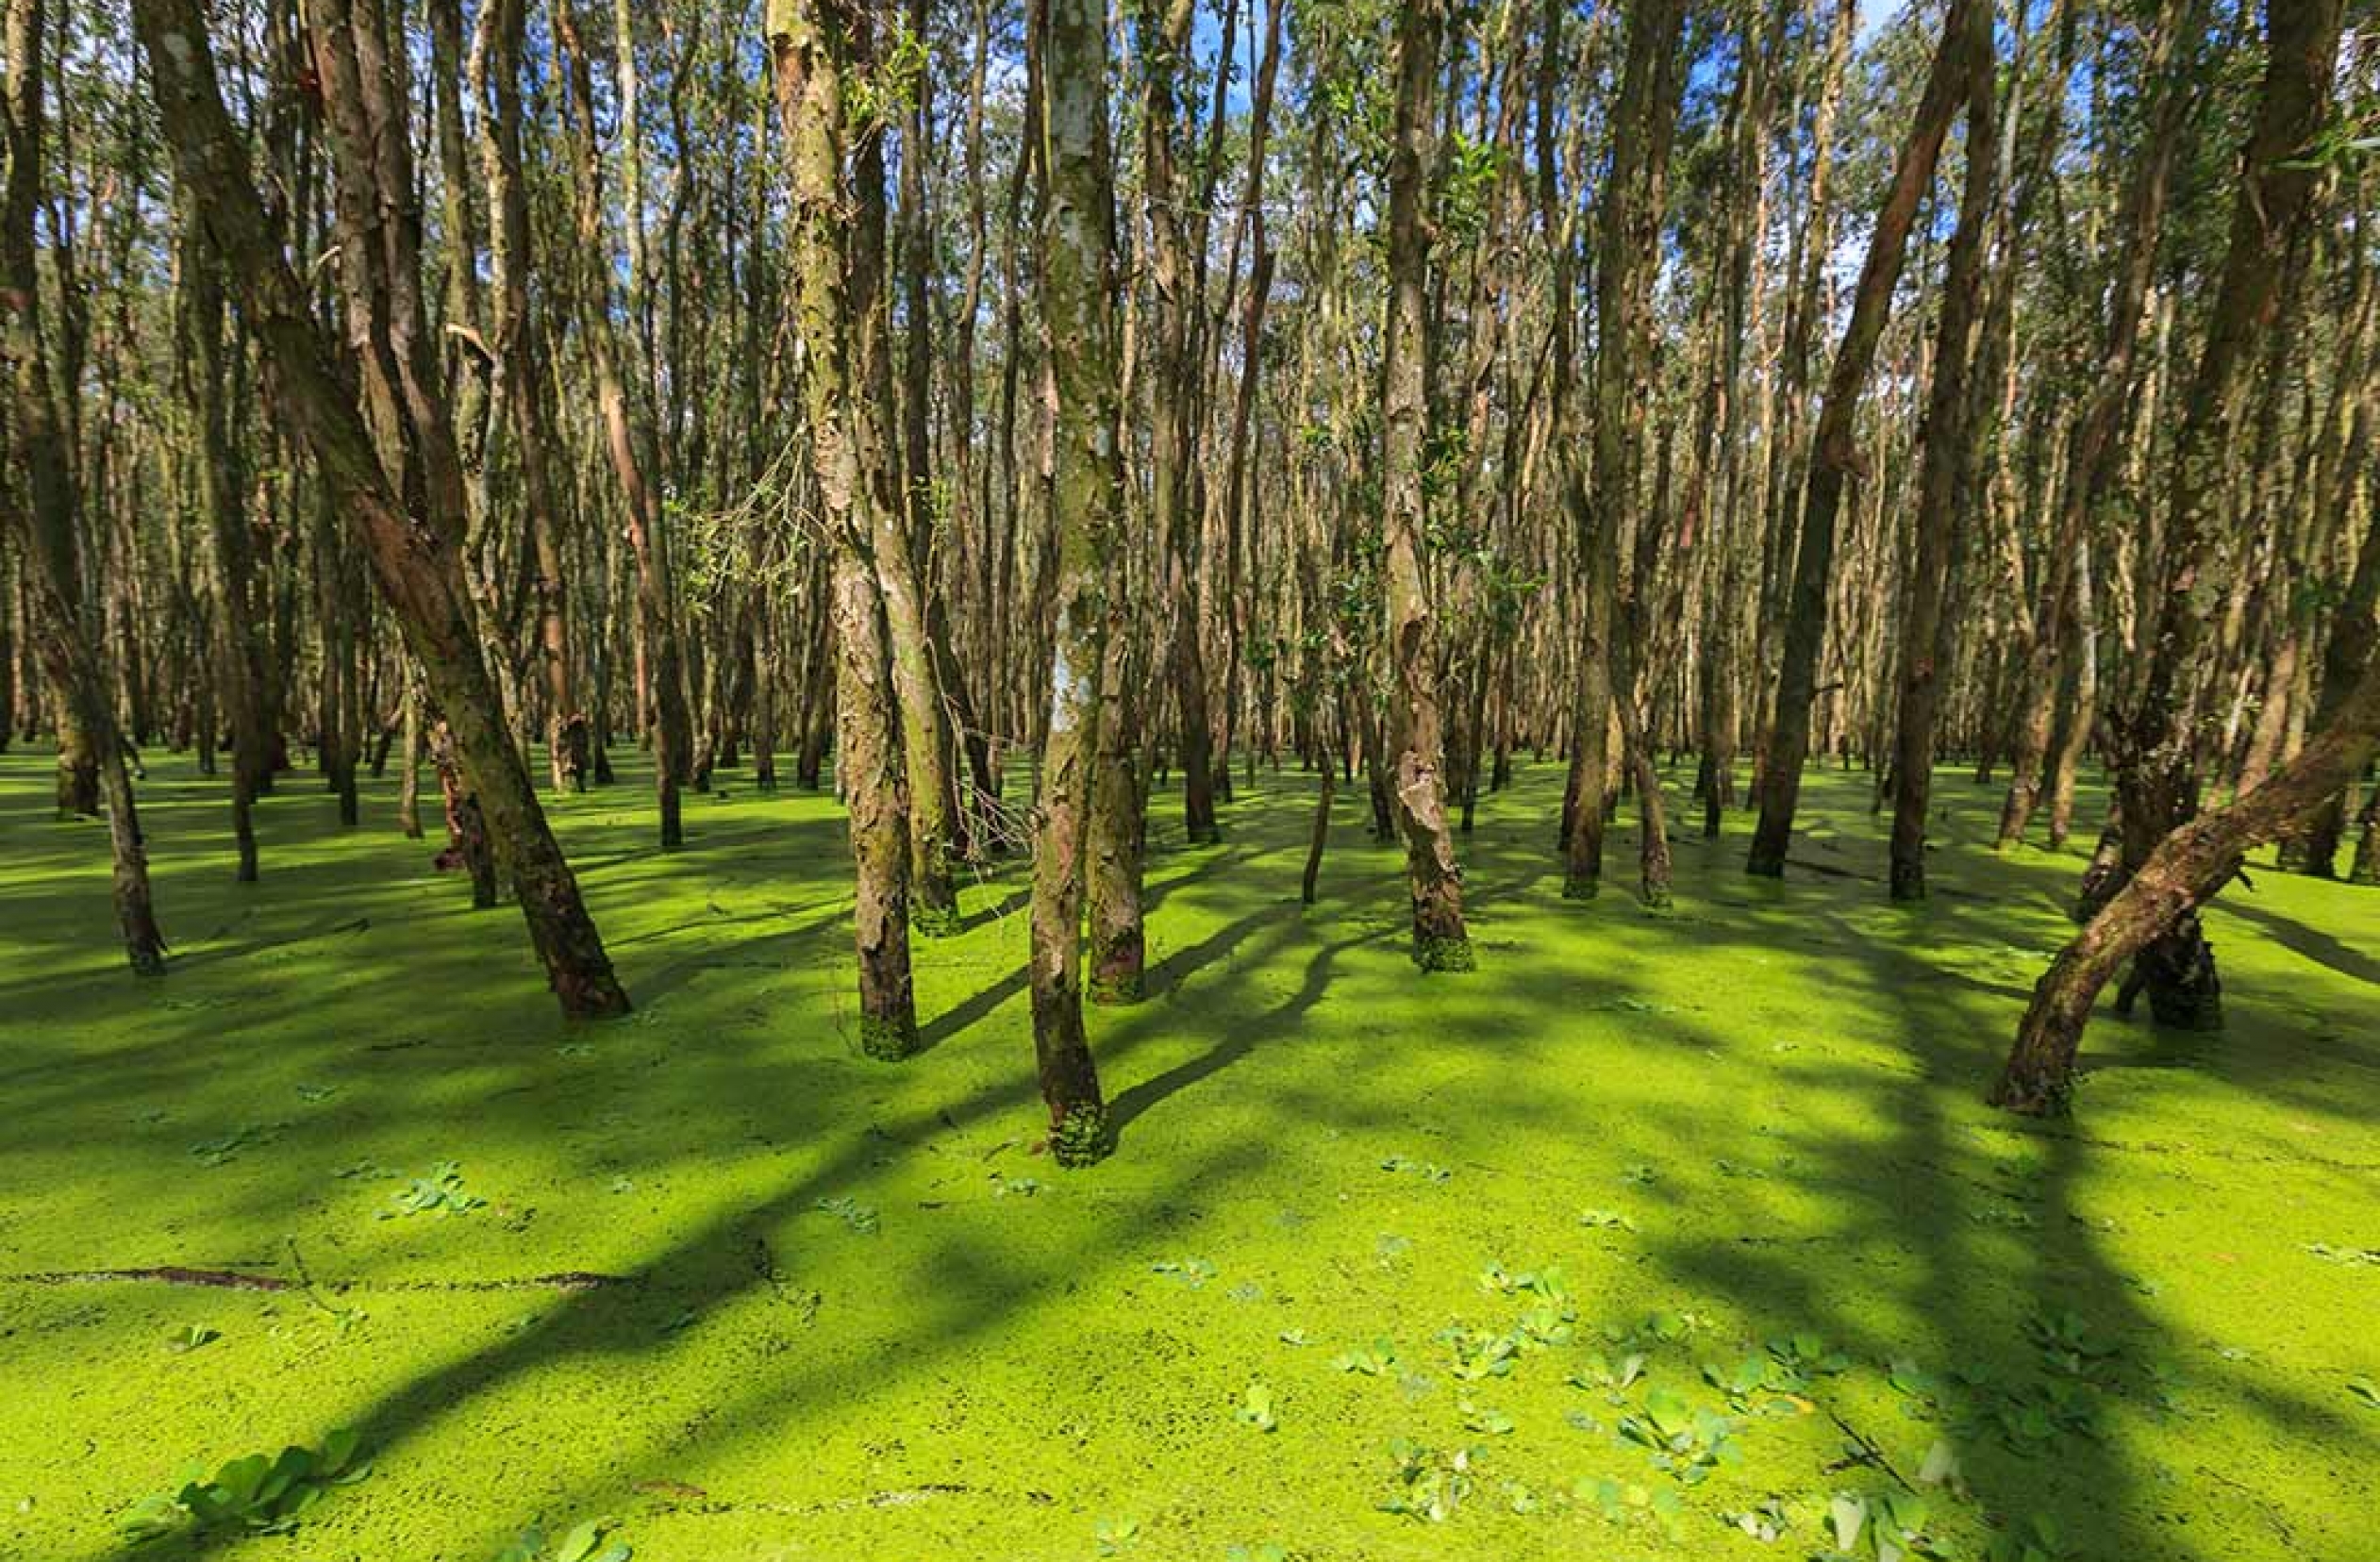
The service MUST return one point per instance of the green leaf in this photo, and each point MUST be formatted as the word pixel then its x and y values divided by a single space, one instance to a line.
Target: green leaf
pixel 1847 1515
pixel 1668 1410
pixel 340 1449
pixel 153 1516
pixel 580 1540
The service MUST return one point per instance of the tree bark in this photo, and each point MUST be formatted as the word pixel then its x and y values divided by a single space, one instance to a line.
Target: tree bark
pixel 2181 873
pixel 49 524
pixel 412 551
pixel 1078 288
pixel 2156 778
pixel 1946 473
pixel 1414 739
pixel 814 49
pixel 1834 451
pixel 630 440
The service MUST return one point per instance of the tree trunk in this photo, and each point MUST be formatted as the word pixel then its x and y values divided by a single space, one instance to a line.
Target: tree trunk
pixel 1078 288
pixel 814 48
pixel 2181 873
pixel 1833 450
pixel 1946 473
pixel 629 438
pixel 1413 739
pixel 2156 778
pixel 413 553
pixel 48 523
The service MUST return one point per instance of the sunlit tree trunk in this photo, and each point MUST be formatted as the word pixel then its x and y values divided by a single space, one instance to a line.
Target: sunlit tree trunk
pixel 1834 449
pixel 1078 288
pixel 1414 740
pixel 1947 467
pixel 413 551
pixel 814 52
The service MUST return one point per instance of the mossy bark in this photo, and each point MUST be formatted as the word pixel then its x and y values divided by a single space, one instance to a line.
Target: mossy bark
pixel 1414 739
pixel 1119 818
pixel 812 49
pixel 413 551
pixel 48 524
pixel 1078 290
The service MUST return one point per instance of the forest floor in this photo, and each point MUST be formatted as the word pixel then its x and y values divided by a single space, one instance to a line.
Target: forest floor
pixel 1722 1178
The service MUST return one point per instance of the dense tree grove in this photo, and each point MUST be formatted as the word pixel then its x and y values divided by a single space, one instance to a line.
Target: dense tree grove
pixel 1040 419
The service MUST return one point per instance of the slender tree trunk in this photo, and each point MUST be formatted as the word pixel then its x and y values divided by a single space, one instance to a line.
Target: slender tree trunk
pixel 924 717
pixel 519 378
pixel 814 49
pixel 1628 239
pixel 220 483
pixel 1078 288
pixel 49 524
pixel 1834 449
pixel 1413 740
pixel 2095 454
pixel 412 554
pixel 630 439
pixel 2156 779
pixel 1164 29
pixel 1946 473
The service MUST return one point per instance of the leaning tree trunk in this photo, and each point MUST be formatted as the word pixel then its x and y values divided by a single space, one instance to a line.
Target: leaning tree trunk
pixel 2184 871
pixel 2156 777
pixel 1835 453
pixel 1413 739
pixel 414 557
pixel 1946 471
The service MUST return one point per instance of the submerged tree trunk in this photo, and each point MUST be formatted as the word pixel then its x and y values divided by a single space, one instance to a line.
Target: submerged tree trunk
pixel 2181 873
pixel 2157 782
